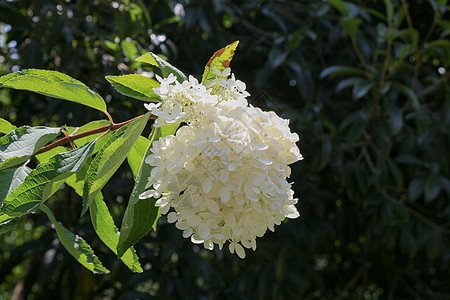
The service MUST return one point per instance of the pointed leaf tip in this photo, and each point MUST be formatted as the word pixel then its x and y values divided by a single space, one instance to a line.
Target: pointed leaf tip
pixel 221 59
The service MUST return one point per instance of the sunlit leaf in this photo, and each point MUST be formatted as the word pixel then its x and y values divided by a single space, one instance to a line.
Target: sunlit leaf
pixel 163 65
pixel 43 181
pixel 45 156
pixel 18 145
pixel 140 214
pixel 220 60
pixel 137 153
pixel 5 126
pixel 107 231
pixel 53 84
pixel 135 86
pixel 10 179
pixel 76 245
pixel 110 157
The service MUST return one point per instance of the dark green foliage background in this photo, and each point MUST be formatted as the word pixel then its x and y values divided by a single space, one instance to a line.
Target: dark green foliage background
pixel 374 186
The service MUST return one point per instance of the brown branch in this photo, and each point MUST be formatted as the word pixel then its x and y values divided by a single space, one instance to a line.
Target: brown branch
pixel 71 138
pixel 407 15
pixel 427 221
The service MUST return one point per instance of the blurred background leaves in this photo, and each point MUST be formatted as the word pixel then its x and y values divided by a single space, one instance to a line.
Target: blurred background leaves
pixel 365 84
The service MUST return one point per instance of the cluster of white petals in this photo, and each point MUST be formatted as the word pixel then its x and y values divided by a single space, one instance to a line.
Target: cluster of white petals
pixel 224 172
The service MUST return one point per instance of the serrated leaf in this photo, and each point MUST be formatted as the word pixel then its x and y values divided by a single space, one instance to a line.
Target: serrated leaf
pixel 5 126
pixel 53 84
pixel 137 153
pixel 140 214
pixel 43 181
pixel 135 86
pixel 163 65
pixel 110 157
pixel 76 245
pixel 221 59
pixel 106 230
pixel 101 219
pixel 339 70
pixel 19 145
pixel 90 126
pixel 10 179
pixel 45 156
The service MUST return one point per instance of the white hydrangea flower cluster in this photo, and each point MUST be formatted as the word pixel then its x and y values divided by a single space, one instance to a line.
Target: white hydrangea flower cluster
pixel 224 173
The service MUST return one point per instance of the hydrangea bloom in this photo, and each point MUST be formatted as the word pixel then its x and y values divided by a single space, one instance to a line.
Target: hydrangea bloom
pixel 224 173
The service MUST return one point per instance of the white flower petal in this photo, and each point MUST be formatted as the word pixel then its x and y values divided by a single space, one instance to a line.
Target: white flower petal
pixel 194 220
pixel 204 231
pixel 240 251
pixel 172 217
pixel 212 206
pixel 224 172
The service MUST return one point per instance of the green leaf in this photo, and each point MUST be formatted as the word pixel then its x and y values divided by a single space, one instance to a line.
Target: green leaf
pixel 76 245
pixel 350 25
pixel 129 49
pixel 91 126
pixel 415 189
pixel 408 93
pixel 137 153
pixel 389 11
pixel 135 86
pixel 106 230
pixel 10 179
pixel 110 157
pixel 9 225
pixel 432 188
pixel 163 65
pixel 396 174
pixel 220 60
pixel 141 214
pixel 340 70
pixel 346 83
pixel 396 116
pixel 45 156
pixel 53 84
pixel 168 129
pixel 411 36
pixel 5 126
pixel 102 220
pixel 340 6
pixel 19 145
pixel 43 181
pixel 362 87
